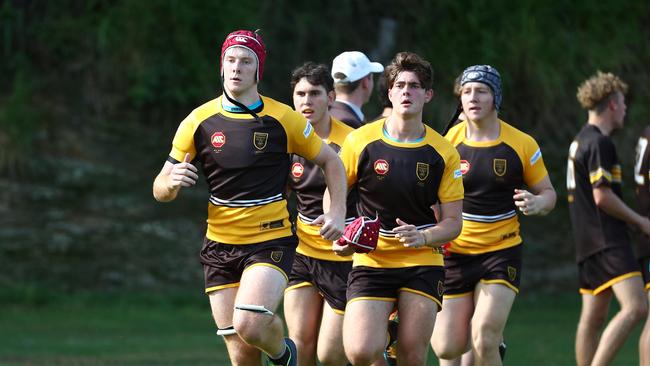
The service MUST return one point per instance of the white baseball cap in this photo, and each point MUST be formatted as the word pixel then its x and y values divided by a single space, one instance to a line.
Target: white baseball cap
pixel 351 66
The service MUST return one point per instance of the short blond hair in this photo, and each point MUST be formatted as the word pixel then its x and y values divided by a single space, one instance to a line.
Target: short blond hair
pixel 594 93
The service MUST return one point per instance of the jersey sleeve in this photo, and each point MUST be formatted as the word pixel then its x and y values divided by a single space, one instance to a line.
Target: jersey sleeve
pixel 350 157
pixel 602 163
pixel 183 142
pixel 451 184
pixel 302 139
pixel 534 168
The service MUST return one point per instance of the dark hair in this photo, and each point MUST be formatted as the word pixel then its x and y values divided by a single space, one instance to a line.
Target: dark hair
pixel 348 88
pixel 382 92
pixel 409 61
pixel 316 74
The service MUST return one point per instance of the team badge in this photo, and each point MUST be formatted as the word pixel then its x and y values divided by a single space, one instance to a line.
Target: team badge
pixel 276 256
pixel 441 288
pixel 422 170
pixel 512 273
pixel 259 140
pixel 499 166
pixel 297 169
pixel 464 166
pixel 381 166
pixel 218 139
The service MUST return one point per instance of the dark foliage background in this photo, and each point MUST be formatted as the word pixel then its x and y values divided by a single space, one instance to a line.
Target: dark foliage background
pixel 91 93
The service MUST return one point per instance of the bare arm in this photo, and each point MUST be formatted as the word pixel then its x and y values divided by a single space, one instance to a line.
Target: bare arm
pixel 172 177
pixel 447 229
pixel 612 205
pixel 332 221
pixel 540 202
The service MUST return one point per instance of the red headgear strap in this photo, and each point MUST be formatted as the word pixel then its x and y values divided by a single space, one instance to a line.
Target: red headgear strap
pixel 249 40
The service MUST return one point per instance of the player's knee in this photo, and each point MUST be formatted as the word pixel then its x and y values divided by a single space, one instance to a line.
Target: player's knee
pixel 447 349
pixel 485 340
pixel 360 355
pixel 637 312
pixel 249 328
pixel 331 357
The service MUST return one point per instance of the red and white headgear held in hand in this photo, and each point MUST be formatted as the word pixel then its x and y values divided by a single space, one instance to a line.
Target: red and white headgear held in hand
pixel 362 234
pixel 249 40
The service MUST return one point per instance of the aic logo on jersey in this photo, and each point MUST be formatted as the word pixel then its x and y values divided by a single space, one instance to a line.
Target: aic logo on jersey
pixel 500 166
pixel 464 166
pixel 259 140
pixel 422 170
pixel 381 166
pixel 218 139
pixel 297 169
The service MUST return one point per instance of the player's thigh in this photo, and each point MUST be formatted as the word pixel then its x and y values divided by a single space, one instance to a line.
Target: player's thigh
pixel 365 324
pixel 595 308
pixel 302 311
pixel 629 292
pixel 261 285
pixel 452 323
pixel 417 315
pixel 222 303
pixel 493 305
pixel 330 336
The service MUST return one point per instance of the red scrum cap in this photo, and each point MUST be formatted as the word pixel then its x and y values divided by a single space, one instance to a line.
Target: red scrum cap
pixel 249 40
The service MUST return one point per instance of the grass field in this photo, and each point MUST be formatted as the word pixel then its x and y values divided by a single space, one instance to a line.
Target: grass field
pixel 139 330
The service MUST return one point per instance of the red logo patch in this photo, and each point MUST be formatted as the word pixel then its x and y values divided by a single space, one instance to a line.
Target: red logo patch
pixel 297 169
pixel 218 139
pixel 381 166
pixel 464 166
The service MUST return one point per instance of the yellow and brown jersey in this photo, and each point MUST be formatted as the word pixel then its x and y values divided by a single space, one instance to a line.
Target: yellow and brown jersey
pixel 642 180
pixel 592 163
pixel 308 181
pixel 245 162
pixel 491 172
pixel 400 180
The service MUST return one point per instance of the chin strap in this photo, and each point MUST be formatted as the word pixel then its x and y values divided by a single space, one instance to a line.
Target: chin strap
pixel 239 104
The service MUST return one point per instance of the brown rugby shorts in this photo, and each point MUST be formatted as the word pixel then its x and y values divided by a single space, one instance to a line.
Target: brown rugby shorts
pixel 464 271
pixel 328 277
pixel 368 283
pixel 602 270
pixel 223 264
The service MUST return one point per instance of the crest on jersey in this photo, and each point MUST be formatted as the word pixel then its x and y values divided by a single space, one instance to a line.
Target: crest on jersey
pixel 422 170
pixel 218 139
pixel 276 256
pixel 441 288
pixel 499 166
pixel 464 166
pixel 512 273
pixel 297 169
pixel 381 166
pixel 259 140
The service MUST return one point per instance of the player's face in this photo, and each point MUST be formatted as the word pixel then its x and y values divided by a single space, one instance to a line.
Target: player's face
pixel 239 71
pixel 408 95
pixel 312 101
pixel 477 100
pixel 619 109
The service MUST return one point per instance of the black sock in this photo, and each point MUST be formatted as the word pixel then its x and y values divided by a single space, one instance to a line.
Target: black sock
pixel 284 359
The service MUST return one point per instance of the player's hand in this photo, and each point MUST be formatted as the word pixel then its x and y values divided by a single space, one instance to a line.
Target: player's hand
pixel 528 203
pixel 332 226
pixel 183 174
pixel 409 235
pixel 342 250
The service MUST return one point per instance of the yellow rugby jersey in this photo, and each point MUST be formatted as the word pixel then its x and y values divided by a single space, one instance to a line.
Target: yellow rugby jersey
pixel 491 172
pixel 400 180
pixel 245 162
pixel 308 181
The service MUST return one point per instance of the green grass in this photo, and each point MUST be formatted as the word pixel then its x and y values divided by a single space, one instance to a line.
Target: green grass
pixel 141 330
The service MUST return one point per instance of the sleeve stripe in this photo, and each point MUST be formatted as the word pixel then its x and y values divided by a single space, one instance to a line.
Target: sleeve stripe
pixel 600 173
pixel 536 156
